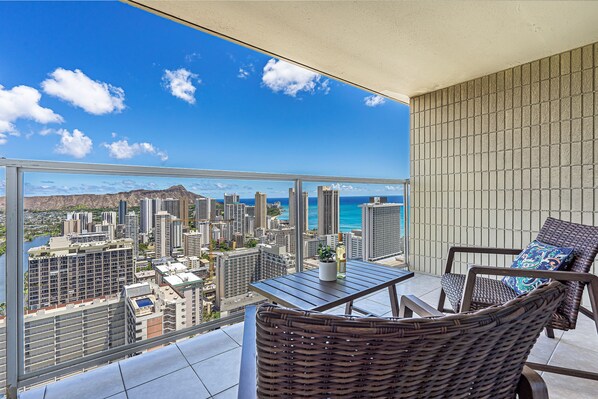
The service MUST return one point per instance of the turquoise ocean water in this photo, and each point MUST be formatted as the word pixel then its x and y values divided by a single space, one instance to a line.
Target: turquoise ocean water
pixel 350 212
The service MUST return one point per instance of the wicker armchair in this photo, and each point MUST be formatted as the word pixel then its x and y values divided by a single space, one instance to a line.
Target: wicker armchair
pixel 470 292
pixel 303 354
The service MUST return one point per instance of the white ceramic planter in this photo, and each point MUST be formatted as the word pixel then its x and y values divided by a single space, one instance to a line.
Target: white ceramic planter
pixel 327 271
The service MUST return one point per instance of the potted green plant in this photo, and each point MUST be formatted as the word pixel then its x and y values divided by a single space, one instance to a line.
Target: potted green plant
pixel 327 271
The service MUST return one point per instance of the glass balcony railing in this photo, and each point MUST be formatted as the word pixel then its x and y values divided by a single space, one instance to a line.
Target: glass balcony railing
pixel 105 262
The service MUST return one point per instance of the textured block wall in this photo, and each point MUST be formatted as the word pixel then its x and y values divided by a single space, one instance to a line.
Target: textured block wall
pixel 491 158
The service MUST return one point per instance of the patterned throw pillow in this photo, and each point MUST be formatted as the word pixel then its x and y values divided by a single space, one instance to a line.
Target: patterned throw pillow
pixel 537 256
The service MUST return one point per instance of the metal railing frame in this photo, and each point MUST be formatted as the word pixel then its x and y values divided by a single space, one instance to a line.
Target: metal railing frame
pixel 16 376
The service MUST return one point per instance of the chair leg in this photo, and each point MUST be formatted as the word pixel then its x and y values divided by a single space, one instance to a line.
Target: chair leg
pixel 531 385
pixel 349 308
pixel 549 332
pixel 441 300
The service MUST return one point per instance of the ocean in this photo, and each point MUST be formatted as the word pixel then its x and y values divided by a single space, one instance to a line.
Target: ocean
pixel 350 212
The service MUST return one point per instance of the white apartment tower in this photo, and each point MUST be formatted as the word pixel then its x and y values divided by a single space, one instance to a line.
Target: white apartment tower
pixel 109 218
pixel 192 243
pixel 236 214
pixel 176 233
pixel 328 211
pixel 148 208
pixel 229 199
pixel 162 234
pixel 261 210
pixel 381 224
pixel 131 222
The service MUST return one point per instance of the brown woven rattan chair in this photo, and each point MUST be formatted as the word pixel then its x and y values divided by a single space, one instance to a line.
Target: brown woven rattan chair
pixel 303 354
pixel 470 292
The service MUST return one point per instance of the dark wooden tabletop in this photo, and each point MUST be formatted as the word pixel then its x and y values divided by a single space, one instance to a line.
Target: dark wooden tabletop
pixel 305 290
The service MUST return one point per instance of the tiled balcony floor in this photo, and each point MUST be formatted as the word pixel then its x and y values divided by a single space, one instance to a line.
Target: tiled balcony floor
pixel 208 366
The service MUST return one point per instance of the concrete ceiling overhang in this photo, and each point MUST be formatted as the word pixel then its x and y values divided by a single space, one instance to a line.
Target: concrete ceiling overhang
pixel 398 49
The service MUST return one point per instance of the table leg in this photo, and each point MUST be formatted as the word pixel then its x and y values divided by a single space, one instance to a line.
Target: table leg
pixel 349 308
pixel 394 300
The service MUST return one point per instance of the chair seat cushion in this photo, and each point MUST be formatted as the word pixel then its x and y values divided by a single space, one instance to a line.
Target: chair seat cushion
pixel 486 291
pixel 537 256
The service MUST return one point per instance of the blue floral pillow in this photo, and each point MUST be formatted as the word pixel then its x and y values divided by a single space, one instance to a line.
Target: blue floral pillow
pixel 537 256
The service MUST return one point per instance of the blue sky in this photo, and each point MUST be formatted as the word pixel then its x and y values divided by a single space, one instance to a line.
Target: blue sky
pixel 104 82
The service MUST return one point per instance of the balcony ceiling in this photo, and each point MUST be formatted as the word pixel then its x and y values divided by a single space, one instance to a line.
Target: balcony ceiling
pixel 398 49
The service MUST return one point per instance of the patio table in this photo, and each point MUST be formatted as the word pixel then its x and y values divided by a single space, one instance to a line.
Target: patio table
pixel 306 291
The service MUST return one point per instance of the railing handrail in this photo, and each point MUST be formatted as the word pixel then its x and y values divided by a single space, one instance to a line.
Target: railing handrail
pixel 162 171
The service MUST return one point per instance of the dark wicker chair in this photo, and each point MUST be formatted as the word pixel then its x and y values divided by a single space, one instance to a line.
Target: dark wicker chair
pixel 303 354
pixel 470 292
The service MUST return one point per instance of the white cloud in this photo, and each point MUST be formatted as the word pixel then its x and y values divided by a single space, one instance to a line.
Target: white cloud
pixel 180 84
pixel 344 187
pixel 93 96
pixel 289 78
pixel 22 102
pixel 76 144
pixel 374 100
pixel 47 131
pixel 192 57
pixel 243 73
pixel 121 149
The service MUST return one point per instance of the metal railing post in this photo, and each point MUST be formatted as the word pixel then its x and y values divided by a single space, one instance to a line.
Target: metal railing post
pixel 14 280
pixel 407 211
pixel 299 221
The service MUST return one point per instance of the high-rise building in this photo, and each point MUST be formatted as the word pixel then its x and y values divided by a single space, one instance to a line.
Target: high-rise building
pixel 234 271
pixel 184 211
pixel 249 225
pixel 203 209
pixel 105 227
pixel 236 216
pixel 148 209
pixel 354 245
pixel 162 234
pixel 109 217
pixel 304 204
pixel 132 231
pixel 204 229
pixel 172 206
pixel 63 272
pixel 122 211
pixel 85 220
pixel 69 332
pixel 187 285
pixel 192 243
pixel 229 199
pixel 261 210
pixel 71 226
pixel 176 233
pixel 213 208
pixel 273 261
pixel 381 224
pixel 328 211
pixel 144 318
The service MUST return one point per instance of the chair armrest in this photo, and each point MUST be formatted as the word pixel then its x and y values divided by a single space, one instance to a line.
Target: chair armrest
pixel 531 385
pixel 476 250
pixel 248 372
pixel 411 304
pixel 474 270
